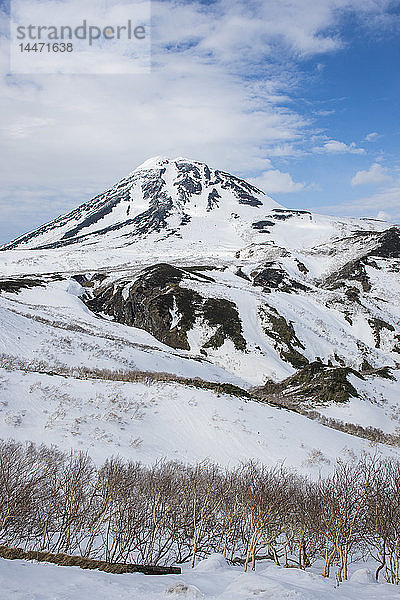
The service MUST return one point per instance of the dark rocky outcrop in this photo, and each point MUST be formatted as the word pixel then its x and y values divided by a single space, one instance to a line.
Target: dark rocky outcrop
pixel 269 277
pixel 352 271
pixel 388 245
pixel 223 315
pixel 16 284
pixel 150 303
pixel 262 226
pixel 301 267
pixel 156 302
pixel 316 382
pixel 283 214
pixel 244 191
pixel 272 276
pixel 213 199
pixel 242 274
pixel 188 181
pixel 377 325
pixel 284 337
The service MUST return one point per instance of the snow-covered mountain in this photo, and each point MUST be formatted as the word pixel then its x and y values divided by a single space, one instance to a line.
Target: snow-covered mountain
pixel 160 199
pixel 186 270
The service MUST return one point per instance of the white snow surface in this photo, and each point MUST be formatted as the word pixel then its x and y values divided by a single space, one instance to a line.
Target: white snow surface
pixel 211 579
pixel 146 422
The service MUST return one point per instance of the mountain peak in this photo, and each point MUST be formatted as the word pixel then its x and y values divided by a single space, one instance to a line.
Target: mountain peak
pixel 161 198
pixel 160 161
pixel 153 163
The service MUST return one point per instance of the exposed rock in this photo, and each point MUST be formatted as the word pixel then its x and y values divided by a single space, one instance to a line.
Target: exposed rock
pixel 244 191
pixel 388 245
pixel 16 284
pixel 270 277
pixel 213 199
pixel 316 382
pixel 223 315
pixel 283 214
pixel 283 335
pixel 152 302
pixel 275 277
pixel 377 325
pixel 384 372
pixel 353 294
pixel 241 274
pixel 157 303
pixel 352 271
pixel 301 267
pixel 262 226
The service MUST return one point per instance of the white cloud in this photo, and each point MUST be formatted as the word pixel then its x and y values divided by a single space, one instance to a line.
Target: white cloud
pixel 325 113
pixel 274 181
pixel 384 204
pixel 336 147
pixel 371 137
pixel 374 175
pixel 285 150
pixel 216 93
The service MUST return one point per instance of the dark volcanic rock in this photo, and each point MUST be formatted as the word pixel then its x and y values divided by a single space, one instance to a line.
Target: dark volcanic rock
pixel 273 276
pixel 316 382
pixel 378 325
pixel 16 284
pixel 262 226
pixel 213 199
pixel 157 303
pixel 283 214
pixel 188 181
pixel 150 303
pixel 389 244
pixel 243 191
pixel 269 277
pixel 302 267
pixel 223 315
pixel 352 271
pixel 284 337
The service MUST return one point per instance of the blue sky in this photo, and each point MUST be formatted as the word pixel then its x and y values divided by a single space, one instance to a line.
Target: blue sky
pixel 299 97
pixel 353 95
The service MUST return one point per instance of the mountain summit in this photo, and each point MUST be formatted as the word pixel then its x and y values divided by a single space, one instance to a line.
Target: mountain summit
pixel 161 198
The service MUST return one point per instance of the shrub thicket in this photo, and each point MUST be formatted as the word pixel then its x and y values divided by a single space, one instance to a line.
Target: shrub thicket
pixel 172 513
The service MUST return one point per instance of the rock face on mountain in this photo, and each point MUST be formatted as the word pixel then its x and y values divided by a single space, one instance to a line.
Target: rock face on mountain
pixel 222 276
pixel 156 302
pixel 160 197
pixel 316 383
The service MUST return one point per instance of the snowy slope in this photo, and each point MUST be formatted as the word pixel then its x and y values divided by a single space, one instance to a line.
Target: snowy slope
pixel 187 270
pixel 212 579
pixel 183 210
pixel 146 421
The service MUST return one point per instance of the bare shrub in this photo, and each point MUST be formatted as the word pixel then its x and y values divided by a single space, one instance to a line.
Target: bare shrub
pixel 170 512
